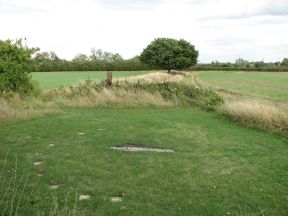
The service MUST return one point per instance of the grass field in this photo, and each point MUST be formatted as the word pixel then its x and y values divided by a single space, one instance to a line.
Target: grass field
pixel 47 162
pixel 49 80
pixel 264 84
pixel 218 167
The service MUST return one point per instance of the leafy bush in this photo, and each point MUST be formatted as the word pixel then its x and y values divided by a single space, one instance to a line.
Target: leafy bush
pixel 15 65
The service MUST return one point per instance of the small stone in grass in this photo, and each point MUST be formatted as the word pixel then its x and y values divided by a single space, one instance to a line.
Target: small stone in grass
pixel 84 197
pixel 99 129
pixel 51 145
pixel 53 187
pixel 39 174
pixel 80 133
pixel 116 199
pixel 38 163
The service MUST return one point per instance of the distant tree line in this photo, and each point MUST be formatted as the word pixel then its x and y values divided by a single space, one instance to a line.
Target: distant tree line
pixel 162 53
pixel 98 60
pixel 244 65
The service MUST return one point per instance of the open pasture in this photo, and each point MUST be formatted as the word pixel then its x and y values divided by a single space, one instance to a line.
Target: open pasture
pixel 49 80
pixel 270 85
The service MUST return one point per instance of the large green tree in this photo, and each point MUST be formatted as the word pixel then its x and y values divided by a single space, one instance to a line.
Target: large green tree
pixel 15 65
pixel 169 54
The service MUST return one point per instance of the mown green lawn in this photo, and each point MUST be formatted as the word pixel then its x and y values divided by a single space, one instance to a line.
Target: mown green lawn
pixel 272 85
pixel 218 168
pixel 49 80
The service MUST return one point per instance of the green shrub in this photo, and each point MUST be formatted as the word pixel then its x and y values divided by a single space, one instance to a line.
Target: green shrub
pixel 15 65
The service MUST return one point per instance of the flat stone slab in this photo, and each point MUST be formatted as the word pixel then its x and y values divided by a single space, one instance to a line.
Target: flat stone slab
pixel 141 149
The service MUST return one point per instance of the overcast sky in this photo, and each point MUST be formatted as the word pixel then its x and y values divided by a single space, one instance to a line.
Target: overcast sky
pixel 221 30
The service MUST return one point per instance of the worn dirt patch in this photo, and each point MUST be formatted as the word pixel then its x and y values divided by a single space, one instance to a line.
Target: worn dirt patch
pixel 140 148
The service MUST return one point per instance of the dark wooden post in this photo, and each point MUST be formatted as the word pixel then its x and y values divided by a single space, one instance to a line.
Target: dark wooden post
pixel 109 78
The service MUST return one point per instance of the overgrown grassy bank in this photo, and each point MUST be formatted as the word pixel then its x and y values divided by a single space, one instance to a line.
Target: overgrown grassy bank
pixel 121 94
pixel 257 113
pixel 157 92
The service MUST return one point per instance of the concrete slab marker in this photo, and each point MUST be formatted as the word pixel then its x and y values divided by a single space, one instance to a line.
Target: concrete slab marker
pixel 141 149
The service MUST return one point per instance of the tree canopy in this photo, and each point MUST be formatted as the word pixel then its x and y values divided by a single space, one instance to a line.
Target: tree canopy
pixel 169 54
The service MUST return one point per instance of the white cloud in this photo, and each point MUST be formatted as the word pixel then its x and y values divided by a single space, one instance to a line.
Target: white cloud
pixel 220 29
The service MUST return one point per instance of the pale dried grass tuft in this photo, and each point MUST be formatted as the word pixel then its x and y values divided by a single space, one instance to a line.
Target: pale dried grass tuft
pixel 257 113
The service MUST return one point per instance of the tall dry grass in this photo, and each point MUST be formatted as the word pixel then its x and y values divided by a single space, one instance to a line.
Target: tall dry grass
pixel 257 113
pixel 16 108
pixel 112 97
